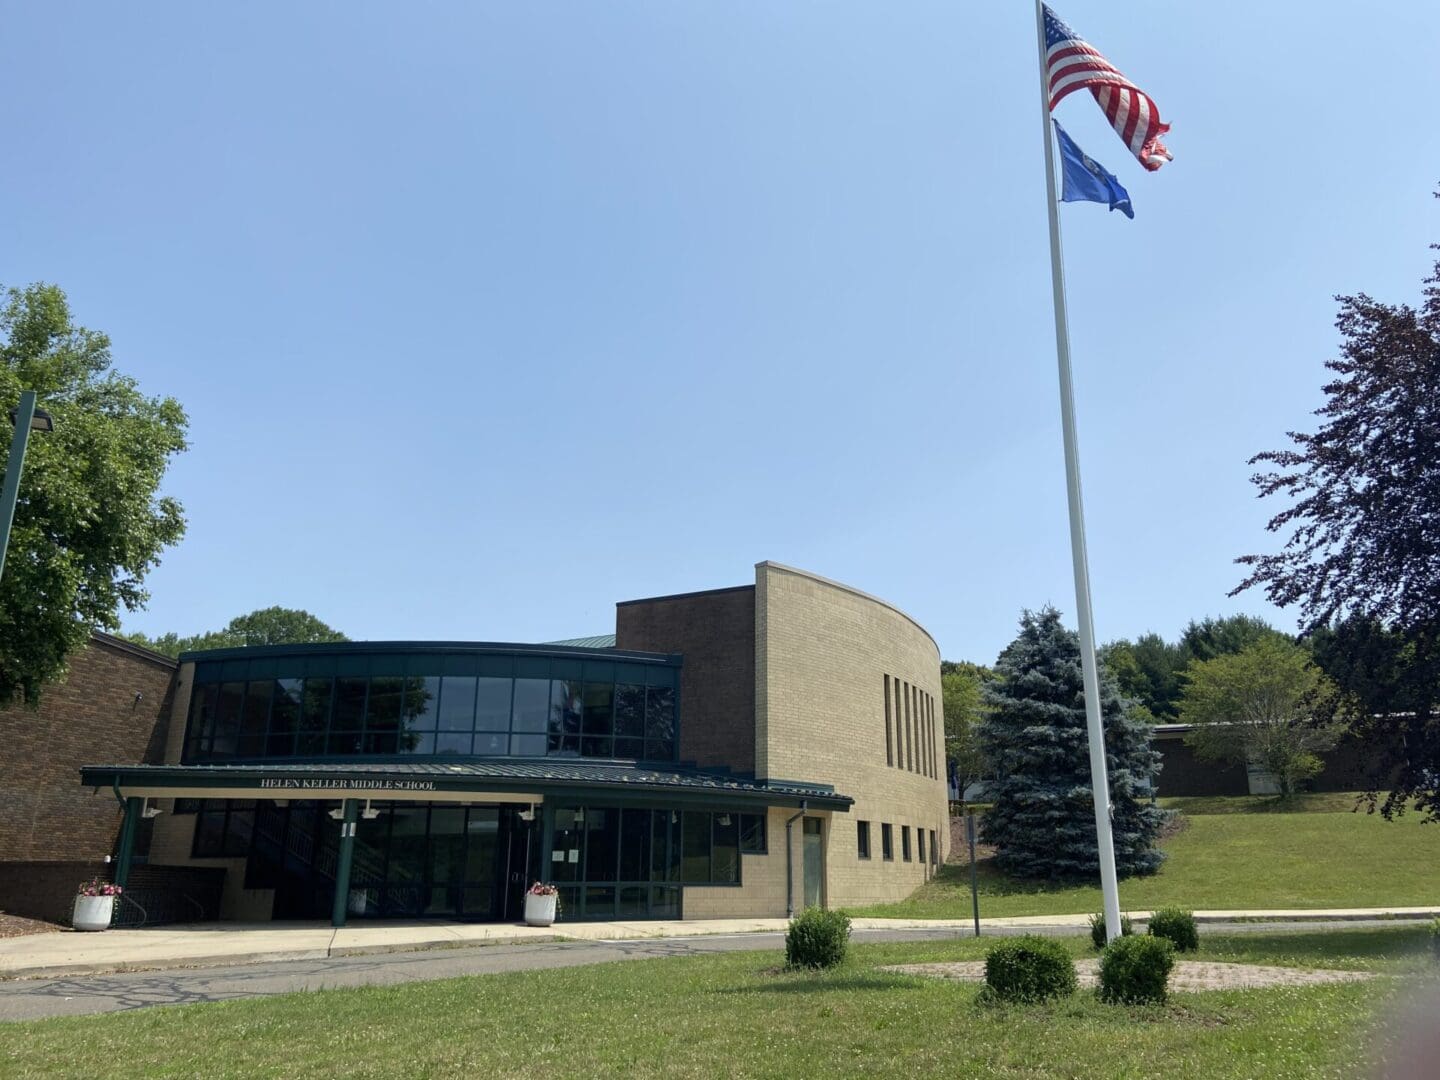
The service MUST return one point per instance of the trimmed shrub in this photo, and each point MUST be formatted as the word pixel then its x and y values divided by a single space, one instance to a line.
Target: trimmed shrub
pixel 1097 929
pixel 817 938
pixel 1177 927
pixel 1029 969
pixel 1134 970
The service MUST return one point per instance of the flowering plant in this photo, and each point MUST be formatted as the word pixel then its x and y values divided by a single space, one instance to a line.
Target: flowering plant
pixel 541 888
pixel 96 887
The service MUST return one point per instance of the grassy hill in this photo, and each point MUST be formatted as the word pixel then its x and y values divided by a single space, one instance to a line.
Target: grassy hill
pixel 1246 852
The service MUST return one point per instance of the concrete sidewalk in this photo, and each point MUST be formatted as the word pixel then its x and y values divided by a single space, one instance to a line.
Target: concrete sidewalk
pixel 213 944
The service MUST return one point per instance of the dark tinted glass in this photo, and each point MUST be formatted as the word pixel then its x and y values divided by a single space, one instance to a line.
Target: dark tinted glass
pixel 349 711
pixel 752 834
pixel 635 845
pixel 284 716
pixel 492 710
pixel 725 849
pixel 457 703
pixel 862 831
pixel 695 847
pixel 602 844
pixel 532 706
pixel 566 705
pixel 660 724
pixel 421 702
pixel 630 710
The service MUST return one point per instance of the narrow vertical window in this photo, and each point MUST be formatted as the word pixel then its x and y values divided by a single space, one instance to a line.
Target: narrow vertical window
pixel 889 748
pixel 862 836
pixel 905 842
pixel 929 736
pixel 899 727
pixel 887 841
pixel 908 757
pixel 920 843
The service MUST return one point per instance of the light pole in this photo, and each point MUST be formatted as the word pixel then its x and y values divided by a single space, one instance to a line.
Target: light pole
pixel 26 418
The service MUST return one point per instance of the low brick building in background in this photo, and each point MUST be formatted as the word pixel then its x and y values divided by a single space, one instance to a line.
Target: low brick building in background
pixel 113 705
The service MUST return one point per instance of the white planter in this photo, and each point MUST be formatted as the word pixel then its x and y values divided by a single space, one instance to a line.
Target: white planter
pixel 92 912
pixel 539 910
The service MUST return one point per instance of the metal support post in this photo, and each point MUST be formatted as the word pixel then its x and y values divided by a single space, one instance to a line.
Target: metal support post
pixel 11 491
pixel 341 908
pixel 126 853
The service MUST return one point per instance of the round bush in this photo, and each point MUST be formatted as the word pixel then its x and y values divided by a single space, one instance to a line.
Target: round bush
pixel 1029 969
pixel 1097 929
pixel 1134 970
pixel 817 938
pixel 1177 927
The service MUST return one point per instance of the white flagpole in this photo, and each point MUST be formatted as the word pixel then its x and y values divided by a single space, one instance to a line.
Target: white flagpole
pixel 1099 779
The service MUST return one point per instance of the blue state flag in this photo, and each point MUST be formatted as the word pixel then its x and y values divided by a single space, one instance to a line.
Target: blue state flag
pixel 1086 180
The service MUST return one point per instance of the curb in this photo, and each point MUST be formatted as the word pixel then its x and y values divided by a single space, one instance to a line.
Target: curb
pixel 448 943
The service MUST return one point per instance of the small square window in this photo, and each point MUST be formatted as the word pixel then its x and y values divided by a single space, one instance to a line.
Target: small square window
pixel 862 830
pixel 905 842
pixel 887 841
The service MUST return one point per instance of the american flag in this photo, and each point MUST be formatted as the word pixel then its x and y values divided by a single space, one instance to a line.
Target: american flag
pixel 1072 63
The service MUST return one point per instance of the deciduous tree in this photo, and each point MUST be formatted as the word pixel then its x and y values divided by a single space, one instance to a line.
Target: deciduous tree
pixel 1258 705
pixel 1362 525
pixel 266 626
pixel 91 522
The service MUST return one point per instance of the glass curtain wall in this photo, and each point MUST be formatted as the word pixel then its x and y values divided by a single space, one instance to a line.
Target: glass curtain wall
pixel 421 705
pixel 613 862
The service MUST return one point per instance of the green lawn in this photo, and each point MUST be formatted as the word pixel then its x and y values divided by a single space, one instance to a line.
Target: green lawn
pixel 1235 853
pixel 736 1015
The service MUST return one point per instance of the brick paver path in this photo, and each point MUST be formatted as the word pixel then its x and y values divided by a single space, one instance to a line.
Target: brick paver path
pixel 1187 974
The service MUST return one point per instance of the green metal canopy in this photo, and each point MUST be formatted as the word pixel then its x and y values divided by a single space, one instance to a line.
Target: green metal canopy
pixel 564 778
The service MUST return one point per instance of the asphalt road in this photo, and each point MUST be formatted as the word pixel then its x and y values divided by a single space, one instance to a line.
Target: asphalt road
pixel 34 999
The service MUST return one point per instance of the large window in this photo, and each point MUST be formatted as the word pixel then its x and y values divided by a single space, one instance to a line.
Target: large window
pixel 402 705
pixel 612 862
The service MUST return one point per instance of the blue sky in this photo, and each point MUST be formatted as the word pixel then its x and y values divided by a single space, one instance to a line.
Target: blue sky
pixel 489 315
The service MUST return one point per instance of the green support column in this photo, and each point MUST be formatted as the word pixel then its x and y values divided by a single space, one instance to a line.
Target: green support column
pixel 127 840
pixel 341 907
pixel 547 843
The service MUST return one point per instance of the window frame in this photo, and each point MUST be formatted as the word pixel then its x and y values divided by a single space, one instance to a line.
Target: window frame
pixel 887 842
pixel 905 843
pixel 862 840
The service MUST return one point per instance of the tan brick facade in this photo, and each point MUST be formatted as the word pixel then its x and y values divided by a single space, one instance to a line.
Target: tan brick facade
pixel 823 651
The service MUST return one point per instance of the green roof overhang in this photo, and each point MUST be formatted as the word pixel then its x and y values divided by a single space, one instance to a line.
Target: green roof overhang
pixel 562 781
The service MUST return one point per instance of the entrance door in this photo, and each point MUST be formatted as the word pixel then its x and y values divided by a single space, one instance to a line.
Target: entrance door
pixel 814 861
pixel 515 870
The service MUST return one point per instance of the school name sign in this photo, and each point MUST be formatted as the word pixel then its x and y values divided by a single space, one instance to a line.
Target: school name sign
pixel 333 783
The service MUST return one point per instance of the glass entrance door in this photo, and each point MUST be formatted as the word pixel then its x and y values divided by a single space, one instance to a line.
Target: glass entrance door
pixel 521 844
pixel 814 861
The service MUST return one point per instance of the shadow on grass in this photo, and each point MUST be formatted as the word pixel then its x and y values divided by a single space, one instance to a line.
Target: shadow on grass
pixel 1326 802
pixel 1321 948
pixel 781 981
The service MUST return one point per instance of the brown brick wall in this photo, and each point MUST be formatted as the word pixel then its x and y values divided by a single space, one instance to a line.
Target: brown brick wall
pixel 92 717
pixel 716 633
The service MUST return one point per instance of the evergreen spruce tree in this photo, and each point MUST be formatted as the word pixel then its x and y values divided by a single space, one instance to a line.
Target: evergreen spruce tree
pixel 1042 822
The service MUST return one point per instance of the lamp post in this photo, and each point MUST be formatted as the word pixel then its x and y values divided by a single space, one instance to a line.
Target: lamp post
pixel 26 418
